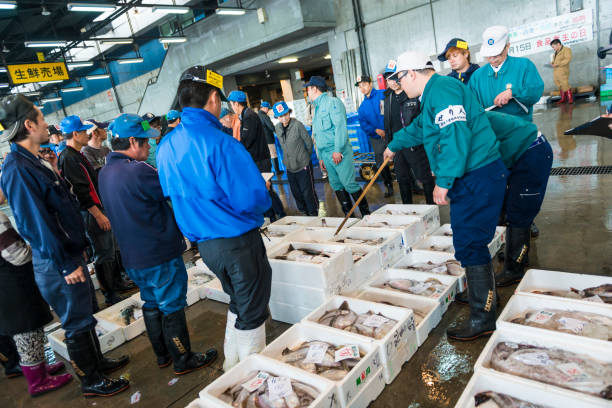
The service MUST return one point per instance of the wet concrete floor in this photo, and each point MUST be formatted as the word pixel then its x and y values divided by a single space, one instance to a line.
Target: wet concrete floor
pixel 576 236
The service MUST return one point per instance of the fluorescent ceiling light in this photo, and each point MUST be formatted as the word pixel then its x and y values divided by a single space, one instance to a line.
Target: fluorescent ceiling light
pixel 2 69
pixel 101 76
pixel 5 85
pixel 230 11
pixel 130 60
pixel 8 5
pixel 287 60
pixel 171 9
pixel 103 16
pixel 80 64
pixel 35 93
pixel 73 89
pixel 327 56
pixel 35 44
pixel 48 100
pixel 56 81
pixel 169 40
pixel 91 7
pixel 115 40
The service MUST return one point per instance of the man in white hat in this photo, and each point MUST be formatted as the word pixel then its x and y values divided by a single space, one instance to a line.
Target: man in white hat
pixel 464 155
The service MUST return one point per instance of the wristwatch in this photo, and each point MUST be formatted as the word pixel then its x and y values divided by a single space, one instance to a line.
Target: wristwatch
pixel 508 86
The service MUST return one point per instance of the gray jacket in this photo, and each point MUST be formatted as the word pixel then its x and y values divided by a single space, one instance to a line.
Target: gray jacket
pixel 296 144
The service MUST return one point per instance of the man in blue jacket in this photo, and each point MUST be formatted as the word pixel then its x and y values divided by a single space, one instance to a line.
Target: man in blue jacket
pixel 219 197
pixel 150 241
pixel 47 216
pixel 371 120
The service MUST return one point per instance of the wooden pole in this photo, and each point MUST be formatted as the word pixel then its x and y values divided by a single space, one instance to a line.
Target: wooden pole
pixel 365 190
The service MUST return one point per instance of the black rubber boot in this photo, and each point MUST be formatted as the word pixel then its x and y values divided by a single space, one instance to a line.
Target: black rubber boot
pixel 120 284
pixel 105 364
pixel 428 189
pixel 517 250
pixel 104 272
pixel 153 323
pixel 345 200
pixel 535 231
pixel 9 357
pixel 84 360
pixel 482 294
pixel 405 192
pixel 463 298
pixel 389 192
pixel 277 169
pixel 364 208
pixel 179 346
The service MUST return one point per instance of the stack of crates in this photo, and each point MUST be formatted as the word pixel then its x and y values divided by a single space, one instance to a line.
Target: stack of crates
pixel 605 90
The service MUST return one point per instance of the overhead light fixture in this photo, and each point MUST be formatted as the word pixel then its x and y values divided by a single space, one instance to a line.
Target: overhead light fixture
pixel 100 76
pixel 52 44
pixel 45 12
pixel 91 7
pixel 2 69
pixel 115 40
pixel 73 89
pixel 230 11
pixel 130 60
pixel 170 40
pixel 49 100
pixel 327 56
pixel 35 93
pixel 287 60
pixel 4 85
pixel 55 81
pixel 80 64
pixel 103 16
pixel 5 49
pixel 171 9
pixel 8 5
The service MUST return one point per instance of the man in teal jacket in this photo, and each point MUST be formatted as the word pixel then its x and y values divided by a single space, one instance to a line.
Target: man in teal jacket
pixel 510 83
pixel 333 145
pixel 464 155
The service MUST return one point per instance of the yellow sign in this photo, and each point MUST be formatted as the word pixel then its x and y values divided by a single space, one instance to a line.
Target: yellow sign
pixel 28 73
pixel 462 44
pixel 40 56
pixel 214 79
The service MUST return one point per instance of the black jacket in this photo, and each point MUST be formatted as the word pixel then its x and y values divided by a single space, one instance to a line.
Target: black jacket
pixel 77 170
pixel 252 135
pixel 408 110
pixel 268 127
pixel 465 77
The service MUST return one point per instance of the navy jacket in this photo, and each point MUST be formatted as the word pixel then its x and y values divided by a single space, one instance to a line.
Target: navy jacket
pixel 141 218
pixel 371 113
pixel 215 187
pixel 46 213
pixel 464 77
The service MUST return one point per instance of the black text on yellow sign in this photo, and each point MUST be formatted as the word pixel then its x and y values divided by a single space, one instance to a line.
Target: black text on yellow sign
pixel 28 73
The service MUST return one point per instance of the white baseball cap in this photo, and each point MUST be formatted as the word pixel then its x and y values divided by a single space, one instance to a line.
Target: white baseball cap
pixel 412 60
pixel 494 39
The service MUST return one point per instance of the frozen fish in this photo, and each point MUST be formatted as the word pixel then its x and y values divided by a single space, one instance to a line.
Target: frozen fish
pixel 450 267
pixel 368 324
pixel 370 242
pixel 581 323
pixel 304 255
pixel 401 212
pixel 430 287
pixel 442 248
pixel 491 399
pixel 319 358
pixel 599 294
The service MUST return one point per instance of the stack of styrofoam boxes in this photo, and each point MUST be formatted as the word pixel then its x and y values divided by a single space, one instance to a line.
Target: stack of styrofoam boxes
pixel 112 315
pixel 211 290
pixel 488 379
pixel 429 214
pixel 112 338
pixel 275 234
pixel 300 287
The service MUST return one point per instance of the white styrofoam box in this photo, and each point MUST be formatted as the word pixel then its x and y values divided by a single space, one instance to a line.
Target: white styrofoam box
pixel 543 280
pixel 430 214
pixel 411 227
pixel 597 352
pixel 430 309
pixel 397 347
pixel 214 291
pixel 332 222
pixel 306 297
pixel 209 395
pixel 194 404
pixel 288 313
pixel 444 298
pixel 494 246
pixel 329 274
pixel 517 387
pixel 420 256
pixel 276 234
pixel 519 303
pixel 363 269
pixel 266 222
pixel 112 339
pixel 371 391
pixel 295 220
pixel 348 388
pixel 390 249
pixel 317 235
pixel 201 265
pixel 112 315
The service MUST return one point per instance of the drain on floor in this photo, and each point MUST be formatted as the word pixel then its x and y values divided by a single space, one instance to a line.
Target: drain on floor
pixel 580 171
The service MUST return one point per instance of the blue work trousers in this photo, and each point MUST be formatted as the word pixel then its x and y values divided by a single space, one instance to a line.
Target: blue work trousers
pixel 476 201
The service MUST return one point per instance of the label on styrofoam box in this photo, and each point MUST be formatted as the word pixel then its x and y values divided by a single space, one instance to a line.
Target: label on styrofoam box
pixel 574 371
pixel 422 287
pixel 346 352
pixel 575 325
pixel 541 317
pixel 279 387
pixel 375 321
pixel 137 313
pixel 316 353
pixel 256 382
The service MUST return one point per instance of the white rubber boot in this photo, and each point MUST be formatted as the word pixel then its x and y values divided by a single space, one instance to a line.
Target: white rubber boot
pixel 230 344
pixel 251 341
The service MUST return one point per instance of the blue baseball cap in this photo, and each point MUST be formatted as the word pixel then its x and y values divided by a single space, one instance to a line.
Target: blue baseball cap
pixel 224 112
pixel 73 123
pixel 131 125
pixel 173 115
pixel 280 109
pixel 391 67
pixel 265 104
pixel 237 96
pixel 47 146
pixel 317 81
pixel 455 42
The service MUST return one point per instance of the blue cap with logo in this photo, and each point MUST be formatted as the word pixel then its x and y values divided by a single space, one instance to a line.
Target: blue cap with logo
pixel 391 67
pixel 280 109
pixel 317 81
pixel 173 115
pixel 131 125
pixel 265 104
pixel 237 96
pixel 47 146
pixel 456 43
pixel 73 123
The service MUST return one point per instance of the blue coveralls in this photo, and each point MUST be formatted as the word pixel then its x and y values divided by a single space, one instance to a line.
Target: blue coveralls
pixel 464 156
pixel 47 216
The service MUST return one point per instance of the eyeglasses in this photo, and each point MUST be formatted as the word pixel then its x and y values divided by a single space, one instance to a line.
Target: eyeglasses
pixel 400 76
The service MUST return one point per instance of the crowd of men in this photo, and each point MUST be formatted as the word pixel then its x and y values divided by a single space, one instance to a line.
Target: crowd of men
pixel 466 137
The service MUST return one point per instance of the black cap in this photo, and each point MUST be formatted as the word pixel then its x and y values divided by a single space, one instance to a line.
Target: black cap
pixel 199 73
pixel 455 42
pixel 363 78
pixel 150 117
pixel 13 111
pixel 54 130
pixel 317 81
